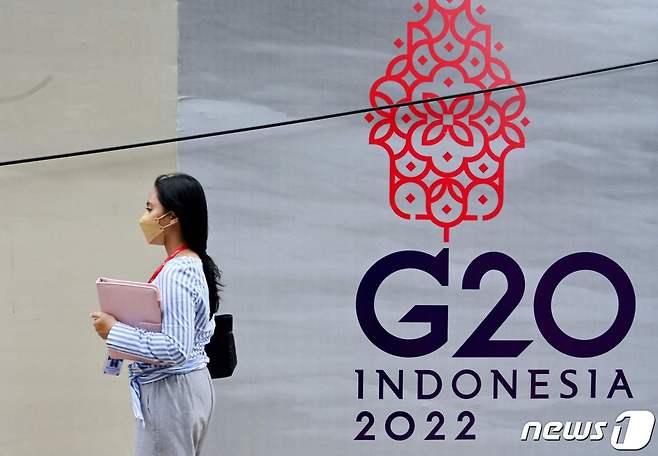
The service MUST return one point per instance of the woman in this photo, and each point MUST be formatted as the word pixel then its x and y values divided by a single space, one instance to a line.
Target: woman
pixel 173 397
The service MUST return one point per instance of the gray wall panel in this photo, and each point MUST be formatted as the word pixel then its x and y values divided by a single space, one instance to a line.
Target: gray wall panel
pixel 299 213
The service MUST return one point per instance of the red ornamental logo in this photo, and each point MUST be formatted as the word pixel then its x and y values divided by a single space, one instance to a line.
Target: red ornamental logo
pixel 447 157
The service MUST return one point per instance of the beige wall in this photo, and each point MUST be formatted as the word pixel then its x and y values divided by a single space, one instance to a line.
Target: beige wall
pixel 75 75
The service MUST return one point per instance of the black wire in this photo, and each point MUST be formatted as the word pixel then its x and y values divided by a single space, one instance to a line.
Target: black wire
pixel 323 117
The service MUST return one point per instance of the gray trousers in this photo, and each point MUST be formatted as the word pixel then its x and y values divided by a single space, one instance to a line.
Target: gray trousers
pixel 177 411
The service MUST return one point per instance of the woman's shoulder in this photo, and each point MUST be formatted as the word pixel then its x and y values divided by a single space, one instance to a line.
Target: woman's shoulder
pixel 183 261
pixel 181 265
pixel 185 258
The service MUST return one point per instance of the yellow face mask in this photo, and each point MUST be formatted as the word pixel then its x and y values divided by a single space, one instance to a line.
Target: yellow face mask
pixel 153 231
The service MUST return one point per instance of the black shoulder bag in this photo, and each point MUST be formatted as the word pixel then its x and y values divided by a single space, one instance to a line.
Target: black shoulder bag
pixel 221 348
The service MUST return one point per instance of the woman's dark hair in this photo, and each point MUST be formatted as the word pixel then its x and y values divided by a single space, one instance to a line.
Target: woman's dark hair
pixel 183 194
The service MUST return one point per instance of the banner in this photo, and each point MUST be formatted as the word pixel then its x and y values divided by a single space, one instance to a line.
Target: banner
pixel 465 276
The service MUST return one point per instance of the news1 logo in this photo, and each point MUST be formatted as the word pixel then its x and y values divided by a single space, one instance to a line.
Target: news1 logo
pixel 637 435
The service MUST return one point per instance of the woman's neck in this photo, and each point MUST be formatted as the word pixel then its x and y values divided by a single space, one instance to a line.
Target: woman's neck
pixel 172 244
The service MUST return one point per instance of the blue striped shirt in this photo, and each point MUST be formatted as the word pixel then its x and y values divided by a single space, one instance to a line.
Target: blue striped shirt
pixel 186 328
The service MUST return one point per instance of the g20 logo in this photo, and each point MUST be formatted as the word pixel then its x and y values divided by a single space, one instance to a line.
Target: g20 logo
pixel 480 342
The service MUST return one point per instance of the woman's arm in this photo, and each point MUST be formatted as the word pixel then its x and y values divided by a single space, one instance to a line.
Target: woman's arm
pixel 174 344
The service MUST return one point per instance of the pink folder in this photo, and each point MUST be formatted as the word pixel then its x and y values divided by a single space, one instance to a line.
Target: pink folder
pixel 133 303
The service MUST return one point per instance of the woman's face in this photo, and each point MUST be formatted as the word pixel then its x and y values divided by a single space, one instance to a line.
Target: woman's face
pixel 153 206
pixel 154 209
pixel 154 213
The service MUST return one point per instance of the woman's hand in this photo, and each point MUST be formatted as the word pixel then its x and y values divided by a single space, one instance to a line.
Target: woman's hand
pixel 102 322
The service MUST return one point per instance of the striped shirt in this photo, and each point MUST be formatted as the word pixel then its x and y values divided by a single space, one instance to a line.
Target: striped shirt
pixel 186 328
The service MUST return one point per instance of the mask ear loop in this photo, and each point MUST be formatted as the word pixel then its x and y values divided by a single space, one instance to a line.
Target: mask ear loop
pixel 166 226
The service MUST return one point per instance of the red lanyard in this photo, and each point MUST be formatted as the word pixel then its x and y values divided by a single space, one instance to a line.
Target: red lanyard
pixel 173 254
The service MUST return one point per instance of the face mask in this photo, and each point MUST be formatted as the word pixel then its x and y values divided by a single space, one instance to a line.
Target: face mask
pixel 153 231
